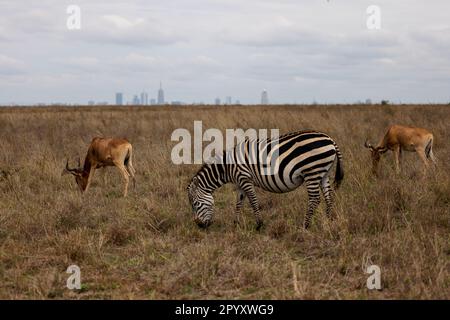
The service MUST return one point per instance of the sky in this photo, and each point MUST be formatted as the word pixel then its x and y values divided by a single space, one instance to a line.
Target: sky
pixel 299 51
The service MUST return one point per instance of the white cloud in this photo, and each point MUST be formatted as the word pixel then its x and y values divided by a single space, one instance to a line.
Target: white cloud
pixel 121 22
pixel 11 66
pixel 298 50
pixel 132 31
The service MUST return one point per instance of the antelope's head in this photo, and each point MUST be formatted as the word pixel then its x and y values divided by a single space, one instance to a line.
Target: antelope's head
pixel 376 153
pixel 80 177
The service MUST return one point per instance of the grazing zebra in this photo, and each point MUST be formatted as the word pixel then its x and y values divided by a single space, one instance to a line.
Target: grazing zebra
pixel 292 159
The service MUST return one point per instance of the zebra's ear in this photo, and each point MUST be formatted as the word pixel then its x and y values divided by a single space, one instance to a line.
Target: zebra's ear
pixel 193 184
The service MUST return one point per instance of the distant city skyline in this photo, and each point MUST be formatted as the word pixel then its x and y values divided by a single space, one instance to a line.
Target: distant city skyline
pixel 300 51
pixel 144 100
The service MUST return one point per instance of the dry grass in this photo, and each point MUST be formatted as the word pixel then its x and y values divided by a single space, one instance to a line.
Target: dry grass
pixel 146 246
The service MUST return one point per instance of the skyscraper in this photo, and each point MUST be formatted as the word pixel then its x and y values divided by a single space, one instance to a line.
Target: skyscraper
pixel 119 98
pixel 136 100
pixel 144 98
pixel 264 97
pixel 160 94
pixel 228 100
pixel 217 101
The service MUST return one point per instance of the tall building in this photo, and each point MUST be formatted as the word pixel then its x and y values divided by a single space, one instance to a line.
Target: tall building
pixel 152 102
pixel 160 94
pixel 136 100
pixel 264 97
pixel 144 98
pixel 217 101
pixel 119 98
pixel 228 100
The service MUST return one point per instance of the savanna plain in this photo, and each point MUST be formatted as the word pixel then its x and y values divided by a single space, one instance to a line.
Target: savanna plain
pixel 146 246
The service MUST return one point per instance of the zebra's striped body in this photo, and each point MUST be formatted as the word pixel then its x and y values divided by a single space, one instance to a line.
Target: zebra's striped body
pixel 278 165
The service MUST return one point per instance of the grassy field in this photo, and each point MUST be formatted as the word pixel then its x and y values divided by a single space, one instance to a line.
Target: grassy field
pixel 147 246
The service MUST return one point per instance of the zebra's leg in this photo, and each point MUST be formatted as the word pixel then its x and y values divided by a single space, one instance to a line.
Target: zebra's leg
pixel 239 205
pixel 327 192
pixel 249 190
pixel 313 200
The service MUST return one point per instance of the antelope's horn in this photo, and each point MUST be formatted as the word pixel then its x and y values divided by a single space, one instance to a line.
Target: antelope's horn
pixel 367 144
pixel 67 166
pixel 79 162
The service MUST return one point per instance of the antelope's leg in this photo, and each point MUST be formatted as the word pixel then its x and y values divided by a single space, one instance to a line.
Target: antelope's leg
pixel 131 173
pixel 125 175
pixel 239 205
pixel 423 157
pixel 396 157
pixel 327 192
pixel 131 170
pixel 313 200
pixel 249 190
pixel 130 166
pixel 89 180
pixel 104 178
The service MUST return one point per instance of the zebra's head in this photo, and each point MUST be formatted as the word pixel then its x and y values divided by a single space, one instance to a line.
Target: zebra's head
pixel 202 203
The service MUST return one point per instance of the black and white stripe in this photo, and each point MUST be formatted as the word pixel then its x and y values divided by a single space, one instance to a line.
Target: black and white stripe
pixel 276 165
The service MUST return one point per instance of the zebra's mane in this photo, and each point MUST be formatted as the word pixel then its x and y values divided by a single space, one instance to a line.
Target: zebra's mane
pixel 217 159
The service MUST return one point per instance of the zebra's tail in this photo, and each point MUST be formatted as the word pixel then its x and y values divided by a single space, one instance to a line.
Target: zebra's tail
pixel 339 176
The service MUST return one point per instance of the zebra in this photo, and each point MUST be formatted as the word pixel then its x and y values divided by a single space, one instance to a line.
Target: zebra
pixel 293 158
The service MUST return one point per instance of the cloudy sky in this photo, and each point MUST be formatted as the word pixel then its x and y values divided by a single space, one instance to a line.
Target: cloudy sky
pixel 300 51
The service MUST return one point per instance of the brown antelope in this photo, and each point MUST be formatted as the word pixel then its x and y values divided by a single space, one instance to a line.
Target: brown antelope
pixel 398 138
pixel 104 152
